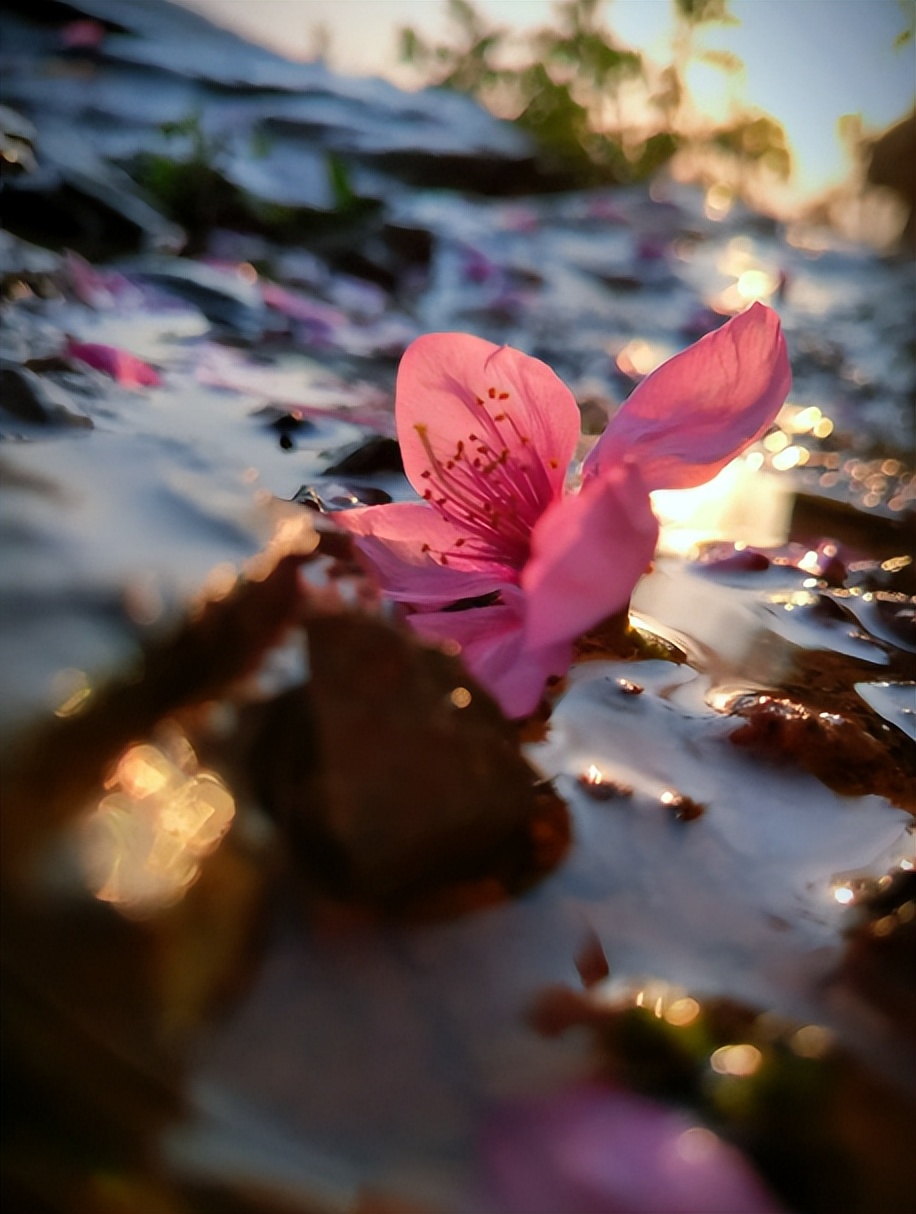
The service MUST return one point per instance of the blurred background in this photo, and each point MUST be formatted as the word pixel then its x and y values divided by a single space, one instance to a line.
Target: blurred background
pixel 224 990
pixel 783 96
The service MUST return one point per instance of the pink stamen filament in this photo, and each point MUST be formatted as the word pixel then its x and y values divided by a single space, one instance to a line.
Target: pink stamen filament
pixel 497 500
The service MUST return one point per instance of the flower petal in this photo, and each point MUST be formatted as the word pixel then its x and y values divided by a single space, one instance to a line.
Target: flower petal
pixel 126 368
pixel 412 552
pixel 702 407
pixel 454 388
pixel 589 550
pixel 606 1151
pixel 493 650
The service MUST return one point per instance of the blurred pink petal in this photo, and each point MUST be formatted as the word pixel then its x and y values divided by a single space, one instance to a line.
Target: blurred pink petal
pixel 126 368
pixel 100 288
pixel 83 34
pixel 300 308
pixel 595 1150
pixel 700 409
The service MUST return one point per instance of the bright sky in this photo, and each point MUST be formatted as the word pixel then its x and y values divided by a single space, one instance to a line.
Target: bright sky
pixel 807 62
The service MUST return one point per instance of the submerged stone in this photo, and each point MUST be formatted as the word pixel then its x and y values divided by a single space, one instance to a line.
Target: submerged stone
pixel 440 792
pixel 37 400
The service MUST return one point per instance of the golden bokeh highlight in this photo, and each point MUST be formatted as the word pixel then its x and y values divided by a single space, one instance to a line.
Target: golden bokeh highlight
pixel 161 814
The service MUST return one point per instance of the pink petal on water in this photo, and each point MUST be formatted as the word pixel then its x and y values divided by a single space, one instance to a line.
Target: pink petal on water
pixel 703 407
pixel 83 34
pixel 100 288
pixel 122 366
pixel 588 552
pixel 301 308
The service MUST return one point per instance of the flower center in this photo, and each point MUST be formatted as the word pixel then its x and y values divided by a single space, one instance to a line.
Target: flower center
pixel 493 485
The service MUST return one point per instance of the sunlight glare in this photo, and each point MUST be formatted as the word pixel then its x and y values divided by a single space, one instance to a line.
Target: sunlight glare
pixel 142 845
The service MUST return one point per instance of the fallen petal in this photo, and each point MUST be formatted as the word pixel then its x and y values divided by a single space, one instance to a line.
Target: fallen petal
pixel 596 1150
pixel 493 650
pixel 702 407
pixel 588 552
pixel 126 368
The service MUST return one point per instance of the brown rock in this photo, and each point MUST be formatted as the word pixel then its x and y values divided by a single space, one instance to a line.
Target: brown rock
pixel 392 772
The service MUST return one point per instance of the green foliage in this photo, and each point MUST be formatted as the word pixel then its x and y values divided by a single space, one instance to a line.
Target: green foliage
pixel 695 12
pixel 192 189
pixel 907 34
pixel 185 182
pixel 585 97
pixel 756 140
pixel 557 92
pixel 467 62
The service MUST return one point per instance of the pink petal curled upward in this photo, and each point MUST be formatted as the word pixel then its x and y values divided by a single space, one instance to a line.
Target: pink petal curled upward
pixel 703 407
pixel 595 1150
pixel 126 368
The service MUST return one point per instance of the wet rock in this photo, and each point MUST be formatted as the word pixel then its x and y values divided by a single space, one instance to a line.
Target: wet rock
pixel 37 400
pixel 59 766
pixel 838 750
pixel 681 807
pixel 285 421
pixel 328 495
pixel 591 961
pixel 27 268
pixel 878 961
pixel 597 786
pixel 327 145
pixel 878 534
pixel 366 456
pixel 391 772
pixel 727 558
pixel 75 199
pixel 17 136
pixel 225 298
pixel 890 164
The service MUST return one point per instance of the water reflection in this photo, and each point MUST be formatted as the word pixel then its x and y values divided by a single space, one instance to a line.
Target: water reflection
pixel 160 816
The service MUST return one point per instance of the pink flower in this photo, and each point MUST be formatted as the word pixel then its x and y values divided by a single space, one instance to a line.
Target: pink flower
pixel 597 1149
pixel 498 557
pixel 126 368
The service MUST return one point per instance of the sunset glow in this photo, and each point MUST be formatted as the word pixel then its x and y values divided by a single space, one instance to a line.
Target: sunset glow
pixel 806 64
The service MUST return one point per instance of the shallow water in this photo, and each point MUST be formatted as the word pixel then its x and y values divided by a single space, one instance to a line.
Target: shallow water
pixel 322 1054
